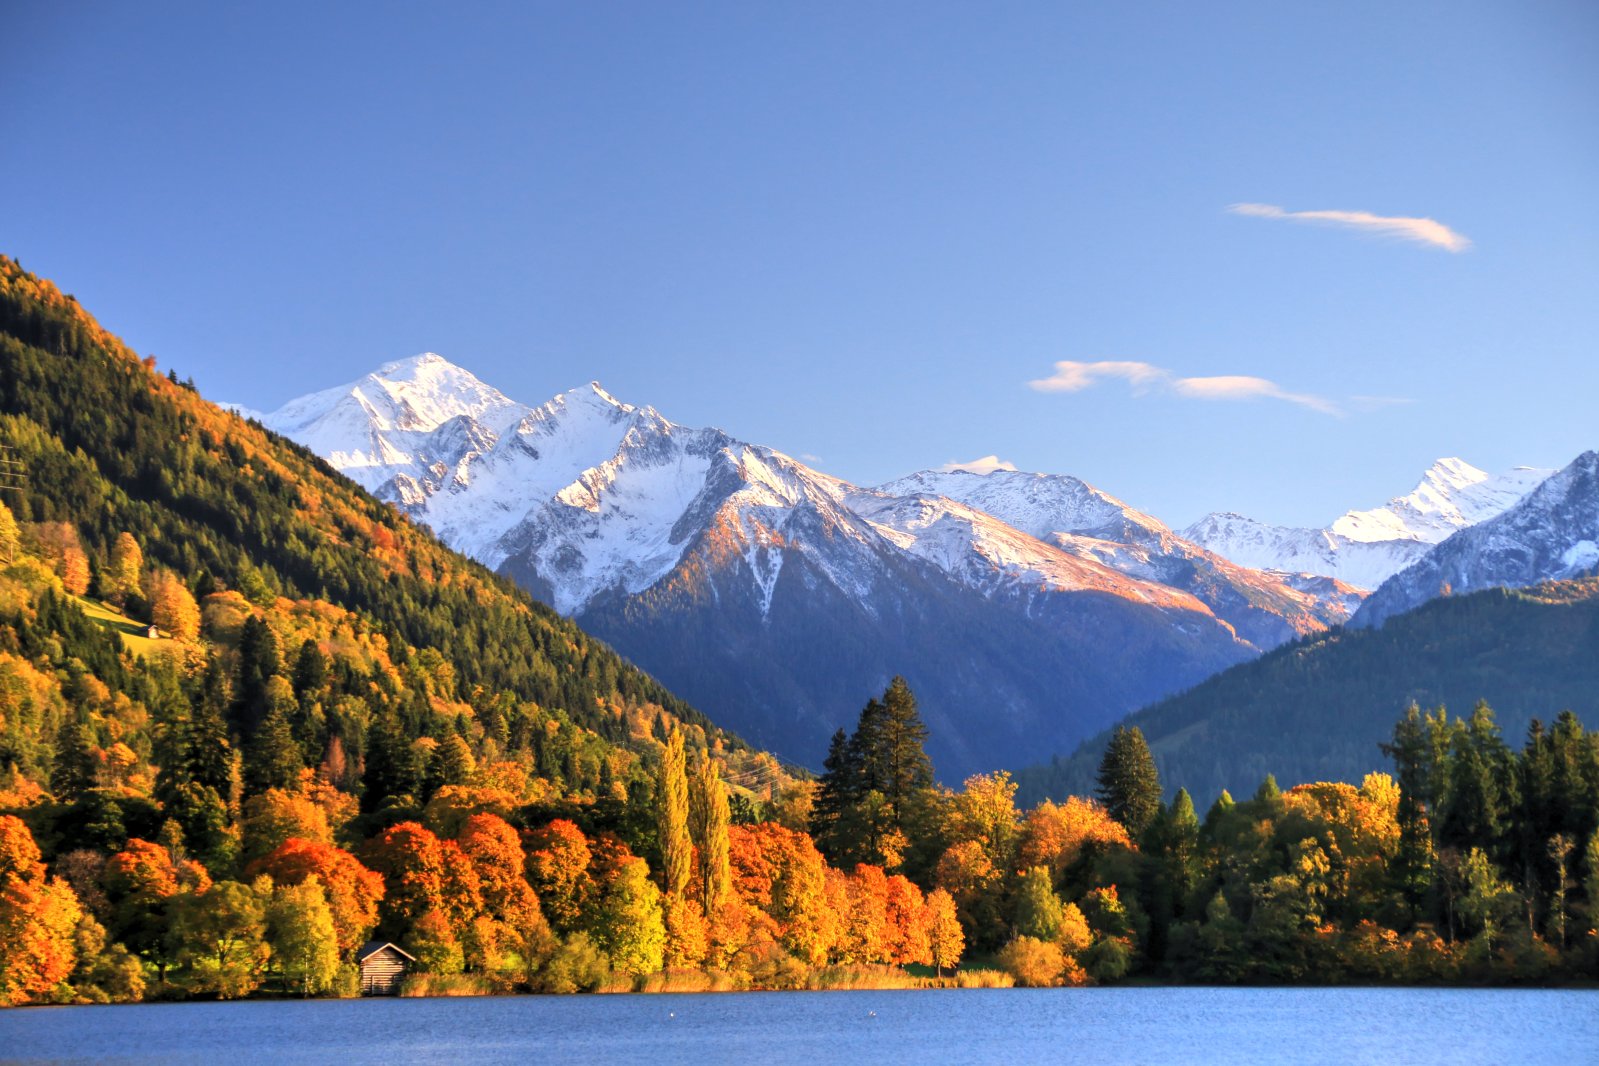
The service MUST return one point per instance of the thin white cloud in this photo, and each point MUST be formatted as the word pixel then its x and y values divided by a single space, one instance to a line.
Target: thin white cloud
pixel 1073 376
pixel 985 465
pixel 1419 230
pixel 1244 387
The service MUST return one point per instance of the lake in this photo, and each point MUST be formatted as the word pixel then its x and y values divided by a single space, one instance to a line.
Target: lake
pixel 1008 1026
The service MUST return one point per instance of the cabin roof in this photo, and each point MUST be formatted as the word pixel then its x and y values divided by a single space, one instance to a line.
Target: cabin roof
pixel 372 947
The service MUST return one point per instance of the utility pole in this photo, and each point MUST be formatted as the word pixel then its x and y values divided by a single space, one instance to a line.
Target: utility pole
pixel 13 479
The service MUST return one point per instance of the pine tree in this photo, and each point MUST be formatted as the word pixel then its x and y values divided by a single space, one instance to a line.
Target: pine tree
pixel 1479 790
pixel 391 769
pixel 899 765
pixel 456 763
pixel 1411 751
pixel 208 756
pixel 711 818
pixel 310 671
pixel 258 664
pixel 75 762
pixel 671 811
pixel 1129 785
pixel 273 758
pixel 837 792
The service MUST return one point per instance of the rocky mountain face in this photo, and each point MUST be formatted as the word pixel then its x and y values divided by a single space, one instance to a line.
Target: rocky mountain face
pixel 1028 611
pixel 1552 533
pixel 1090 524
pixel 1365 548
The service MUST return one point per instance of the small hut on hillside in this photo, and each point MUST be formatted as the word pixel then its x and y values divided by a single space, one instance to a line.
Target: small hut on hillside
pixel 383 967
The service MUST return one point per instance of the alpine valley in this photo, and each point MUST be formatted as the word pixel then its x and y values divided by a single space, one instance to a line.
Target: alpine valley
pixel 1029 611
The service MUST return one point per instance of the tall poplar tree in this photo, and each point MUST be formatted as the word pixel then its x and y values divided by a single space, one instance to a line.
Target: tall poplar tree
pixel 711 817
pixel 671 812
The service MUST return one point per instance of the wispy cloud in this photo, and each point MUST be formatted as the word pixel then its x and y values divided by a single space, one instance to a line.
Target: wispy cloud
pixel 1244 387
pixel 986 465
pixel 1420 230
pixel 1073 376
pixel 1070 376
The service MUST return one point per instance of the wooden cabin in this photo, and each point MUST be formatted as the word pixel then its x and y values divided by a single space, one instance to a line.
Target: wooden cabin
pixel 383 967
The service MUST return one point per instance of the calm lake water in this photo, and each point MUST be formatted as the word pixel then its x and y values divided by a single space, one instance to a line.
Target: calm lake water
pixel 1090 1026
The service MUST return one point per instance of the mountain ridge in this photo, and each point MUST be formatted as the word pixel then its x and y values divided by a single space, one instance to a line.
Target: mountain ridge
pixel 635 525
pixel 1364 548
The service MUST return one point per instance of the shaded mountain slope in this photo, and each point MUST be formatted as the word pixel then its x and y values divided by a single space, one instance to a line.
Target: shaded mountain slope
pixel 1316 710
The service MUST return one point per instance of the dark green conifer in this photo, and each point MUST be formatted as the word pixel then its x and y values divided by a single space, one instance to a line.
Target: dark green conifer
pixel 1129 785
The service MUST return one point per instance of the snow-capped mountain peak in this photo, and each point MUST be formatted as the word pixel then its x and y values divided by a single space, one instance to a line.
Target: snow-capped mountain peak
pixel 1550 533
pixel 1365 548
pixel 1452 494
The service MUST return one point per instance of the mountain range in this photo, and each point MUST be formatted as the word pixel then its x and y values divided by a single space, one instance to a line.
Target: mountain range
pixel 1028 610
pixel 1366 548
pixel 1024 608
pixel 1551 533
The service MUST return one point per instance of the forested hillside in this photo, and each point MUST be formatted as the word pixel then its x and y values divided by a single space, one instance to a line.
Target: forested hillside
pixel 112 447
pixel 1317 709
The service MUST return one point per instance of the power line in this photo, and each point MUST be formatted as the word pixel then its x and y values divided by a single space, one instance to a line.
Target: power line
pixel 13 478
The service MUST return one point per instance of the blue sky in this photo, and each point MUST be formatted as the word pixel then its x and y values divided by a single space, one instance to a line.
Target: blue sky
pixel 859 231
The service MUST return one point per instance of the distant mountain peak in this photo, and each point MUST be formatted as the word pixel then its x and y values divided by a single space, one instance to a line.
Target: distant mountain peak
pixel 1550 533
pixel 1364 548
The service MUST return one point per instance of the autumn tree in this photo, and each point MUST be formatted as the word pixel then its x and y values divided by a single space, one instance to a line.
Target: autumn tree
pixel 1038 912
pixel 221 938
pixel 8 534
pixel 433 940
pixel 906 913
pixel 38 919
pixel 421 873
pixel 172 607
pixel 710 818
pixel 139 882
pixel 509 904
pixel 275 816
pixel 302 936
pixel 628 923
pixel 353 892
pixel 558 857
pixel 1057 835
pixel 946 940
pixel 985 811
pixel 122 578
pixel 75 571
pixel 672 815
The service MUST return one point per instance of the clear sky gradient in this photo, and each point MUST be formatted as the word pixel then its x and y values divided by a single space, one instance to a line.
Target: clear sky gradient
pixel 859 231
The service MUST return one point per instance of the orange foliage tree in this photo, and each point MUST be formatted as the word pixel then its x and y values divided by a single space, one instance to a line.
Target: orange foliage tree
pixel 1055 835
pixel 37 919
pixel 423 873
pixel 558 857
pixel 353 891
